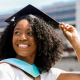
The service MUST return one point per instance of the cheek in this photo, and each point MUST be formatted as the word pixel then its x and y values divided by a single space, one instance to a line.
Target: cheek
pixel 34 42
pixel 35 45
pixel 14 39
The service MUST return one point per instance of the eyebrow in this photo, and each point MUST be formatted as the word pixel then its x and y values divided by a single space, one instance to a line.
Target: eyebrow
pixel 19 29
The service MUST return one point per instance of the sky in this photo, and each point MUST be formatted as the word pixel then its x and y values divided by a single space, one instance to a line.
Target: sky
pixel 10 6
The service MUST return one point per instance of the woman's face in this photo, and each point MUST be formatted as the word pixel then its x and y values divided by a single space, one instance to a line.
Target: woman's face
pixel 23 41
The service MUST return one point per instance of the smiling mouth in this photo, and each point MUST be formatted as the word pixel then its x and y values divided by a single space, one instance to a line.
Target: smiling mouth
pixel 23 45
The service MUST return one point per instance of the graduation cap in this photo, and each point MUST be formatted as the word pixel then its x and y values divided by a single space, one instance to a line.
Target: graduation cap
pixel 29 9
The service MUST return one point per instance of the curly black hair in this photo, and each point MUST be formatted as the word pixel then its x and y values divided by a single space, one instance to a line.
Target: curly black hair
pixel 49 44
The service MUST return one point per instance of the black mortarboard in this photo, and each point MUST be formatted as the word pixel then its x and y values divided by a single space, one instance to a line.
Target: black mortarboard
pixel 29 9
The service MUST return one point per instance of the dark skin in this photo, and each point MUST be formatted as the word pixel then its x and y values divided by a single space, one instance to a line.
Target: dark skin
pixel 69 76
pixel 24 38
pixel 24 42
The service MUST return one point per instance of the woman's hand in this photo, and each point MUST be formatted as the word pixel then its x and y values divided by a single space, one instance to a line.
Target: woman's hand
pixel 69 31
pixel 71 34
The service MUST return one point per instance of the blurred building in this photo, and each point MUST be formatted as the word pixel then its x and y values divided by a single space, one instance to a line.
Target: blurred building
pixel 62 12
pixel 78 16
pixel 3 24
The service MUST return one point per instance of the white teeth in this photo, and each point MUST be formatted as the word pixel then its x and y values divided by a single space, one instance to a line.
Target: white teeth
pixel 23 45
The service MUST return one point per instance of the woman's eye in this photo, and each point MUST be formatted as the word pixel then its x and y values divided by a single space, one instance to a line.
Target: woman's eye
pixel 30 33
pixel 17 32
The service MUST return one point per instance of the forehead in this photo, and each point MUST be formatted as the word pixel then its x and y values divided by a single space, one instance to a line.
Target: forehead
pixel 23 24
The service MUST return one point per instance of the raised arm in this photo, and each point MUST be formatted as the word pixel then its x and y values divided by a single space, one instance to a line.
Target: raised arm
pixel 71 34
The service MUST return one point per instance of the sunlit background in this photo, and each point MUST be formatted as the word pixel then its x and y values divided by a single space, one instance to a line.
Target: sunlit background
pixel 61 10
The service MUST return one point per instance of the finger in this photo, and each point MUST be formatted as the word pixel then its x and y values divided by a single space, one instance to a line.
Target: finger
pixel 63 29
pixel 67 26
pixel 70 28
pixel 62 26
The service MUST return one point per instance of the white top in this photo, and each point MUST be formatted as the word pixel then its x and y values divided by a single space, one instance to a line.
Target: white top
pixel 7 72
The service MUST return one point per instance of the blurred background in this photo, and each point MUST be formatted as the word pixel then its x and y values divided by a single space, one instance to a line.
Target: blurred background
pixel 67 11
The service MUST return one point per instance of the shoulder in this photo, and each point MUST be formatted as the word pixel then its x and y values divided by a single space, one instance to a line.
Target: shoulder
pixel 9 72
pixel 6 71
pixel 56 71
pixel 4 66
pixel 53 74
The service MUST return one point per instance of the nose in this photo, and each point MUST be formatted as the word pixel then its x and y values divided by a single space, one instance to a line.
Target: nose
pixel 23 37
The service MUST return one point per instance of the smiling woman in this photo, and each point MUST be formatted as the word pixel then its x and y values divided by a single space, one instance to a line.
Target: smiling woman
pixel 24 42
pixel 30 47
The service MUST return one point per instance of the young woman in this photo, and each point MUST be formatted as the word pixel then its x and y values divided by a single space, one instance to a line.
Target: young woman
pixel 30 41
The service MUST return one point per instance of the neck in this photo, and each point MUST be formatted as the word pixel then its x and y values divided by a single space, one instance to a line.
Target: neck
pixel 28 60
